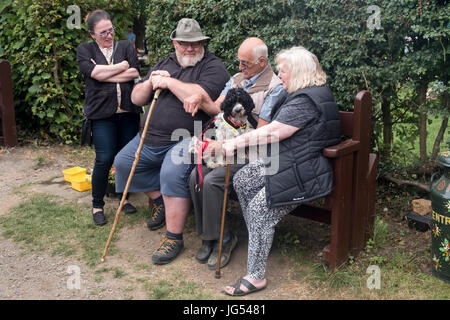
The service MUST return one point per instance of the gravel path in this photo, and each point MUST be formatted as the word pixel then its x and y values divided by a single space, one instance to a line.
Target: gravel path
pixel 40 275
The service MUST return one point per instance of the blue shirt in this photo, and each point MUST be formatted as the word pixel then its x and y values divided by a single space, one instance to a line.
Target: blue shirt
pixel 131 37
pixel 269 101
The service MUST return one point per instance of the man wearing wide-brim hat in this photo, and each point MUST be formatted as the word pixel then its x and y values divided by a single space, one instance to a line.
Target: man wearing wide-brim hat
pixel 188 30
pixel 163 170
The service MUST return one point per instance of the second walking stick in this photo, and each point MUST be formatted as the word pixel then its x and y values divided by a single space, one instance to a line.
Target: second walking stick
pixel 224 209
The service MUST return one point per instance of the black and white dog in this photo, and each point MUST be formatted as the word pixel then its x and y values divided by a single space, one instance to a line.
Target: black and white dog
pixel 232 121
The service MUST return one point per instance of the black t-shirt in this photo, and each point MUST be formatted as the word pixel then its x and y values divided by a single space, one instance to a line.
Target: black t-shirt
pixel 169 114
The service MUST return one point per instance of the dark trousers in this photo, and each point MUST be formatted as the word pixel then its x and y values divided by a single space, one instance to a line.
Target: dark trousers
pixel 109 137
pixel 208 201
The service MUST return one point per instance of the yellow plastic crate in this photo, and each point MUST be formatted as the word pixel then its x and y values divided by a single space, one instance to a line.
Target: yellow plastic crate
pixel 82 183
pixel 75 172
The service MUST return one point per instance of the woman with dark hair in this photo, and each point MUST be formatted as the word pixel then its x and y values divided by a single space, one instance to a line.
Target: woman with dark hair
pixel 109 68
pixel 302 125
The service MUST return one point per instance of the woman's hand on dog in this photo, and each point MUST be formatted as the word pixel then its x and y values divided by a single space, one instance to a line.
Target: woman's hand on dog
pixel 214 148
pixel 192 103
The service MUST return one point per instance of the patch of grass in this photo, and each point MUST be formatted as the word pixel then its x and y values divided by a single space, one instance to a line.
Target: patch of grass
pixel 381 234
pixel 401 254
pixel 142 267
pixel 182 290
pixel 132 219
pixel 433 126
pixel 406 140
pixel 160 291
pixel 401 277
pixel 22 189
pixel 131 287
pixel 41 223
pixel 342 277
pixel 42 161
pixel 118 273
pixel 103 270
pixel 39 162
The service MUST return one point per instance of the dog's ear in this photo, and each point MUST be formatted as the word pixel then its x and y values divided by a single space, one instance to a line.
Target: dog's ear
pixel 224 104
pixel 229 101
pixel 247 101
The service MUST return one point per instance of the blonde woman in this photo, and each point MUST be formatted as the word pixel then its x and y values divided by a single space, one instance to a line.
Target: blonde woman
pixel 303 124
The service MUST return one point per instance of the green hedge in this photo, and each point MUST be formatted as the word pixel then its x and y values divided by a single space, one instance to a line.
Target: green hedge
pixel 394 49
pixel 36 40
pixel 354 54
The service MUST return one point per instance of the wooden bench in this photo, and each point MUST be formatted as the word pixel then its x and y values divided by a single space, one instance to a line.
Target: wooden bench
pixel 350 209
pixel 8 135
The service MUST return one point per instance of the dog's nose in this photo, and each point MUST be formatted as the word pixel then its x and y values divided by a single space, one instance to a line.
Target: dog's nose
pixel 238 108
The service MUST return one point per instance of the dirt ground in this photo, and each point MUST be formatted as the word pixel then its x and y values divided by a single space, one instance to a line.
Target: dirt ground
pixel 40 275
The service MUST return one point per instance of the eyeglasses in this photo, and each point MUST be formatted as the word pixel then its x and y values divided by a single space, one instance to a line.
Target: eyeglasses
pixel 106 33
pixel 194 45
pixel 247 64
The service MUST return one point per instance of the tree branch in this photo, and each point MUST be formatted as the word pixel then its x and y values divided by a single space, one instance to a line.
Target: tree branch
pixel 401 182
pixel 439 138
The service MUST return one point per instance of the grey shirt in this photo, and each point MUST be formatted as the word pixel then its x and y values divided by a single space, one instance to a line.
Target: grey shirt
pixel 300 112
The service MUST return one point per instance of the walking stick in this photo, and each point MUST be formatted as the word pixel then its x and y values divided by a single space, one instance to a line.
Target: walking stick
pixel 224 209
pixel 133 168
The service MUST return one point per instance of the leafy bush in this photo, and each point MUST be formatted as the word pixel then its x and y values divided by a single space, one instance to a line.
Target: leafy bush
pixel 394 49
pixel 396 60
pixel 41 48
pixel 354 54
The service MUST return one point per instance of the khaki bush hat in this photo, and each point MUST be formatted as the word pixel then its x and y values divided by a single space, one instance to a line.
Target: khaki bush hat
pixel 188 30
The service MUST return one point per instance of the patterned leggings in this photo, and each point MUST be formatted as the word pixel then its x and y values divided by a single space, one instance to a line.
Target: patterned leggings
pixel 249 184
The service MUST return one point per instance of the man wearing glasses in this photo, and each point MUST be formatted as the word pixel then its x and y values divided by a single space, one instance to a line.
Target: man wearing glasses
pixel 265 88
pixel 191 69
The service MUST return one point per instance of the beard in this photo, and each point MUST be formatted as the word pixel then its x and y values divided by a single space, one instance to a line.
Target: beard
pixel 189 61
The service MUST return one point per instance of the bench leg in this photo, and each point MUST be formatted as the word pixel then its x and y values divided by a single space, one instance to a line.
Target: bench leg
pixel 371 179
pixel 337 251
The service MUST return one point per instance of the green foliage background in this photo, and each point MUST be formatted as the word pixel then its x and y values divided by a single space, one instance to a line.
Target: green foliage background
pixel 35 39
pixel 354 56
pixel 396 63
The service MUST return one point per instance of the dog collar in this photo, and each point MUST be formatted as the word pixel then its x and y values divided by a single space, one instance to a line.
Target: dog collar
pixel 235 125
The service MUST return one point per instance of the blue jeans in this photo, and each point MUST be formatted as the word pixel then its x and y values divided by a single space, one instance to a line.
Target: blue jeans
pixel 163 168
pixel 109 137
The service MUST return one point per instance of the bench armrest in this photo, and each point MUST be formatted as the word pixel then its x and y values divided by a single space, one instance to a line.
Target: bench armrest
pixel 344 148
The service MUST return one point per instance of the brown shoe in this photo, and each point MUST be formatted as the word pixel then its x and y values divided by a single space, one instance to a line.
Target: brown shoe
pixel 227 248
pixel 158 219
pixel 168 250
